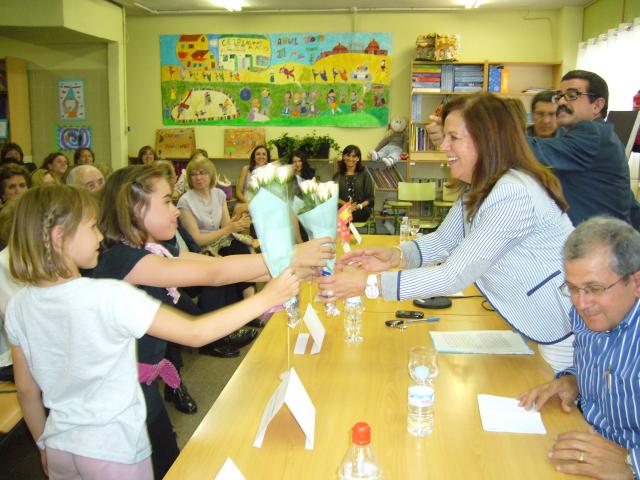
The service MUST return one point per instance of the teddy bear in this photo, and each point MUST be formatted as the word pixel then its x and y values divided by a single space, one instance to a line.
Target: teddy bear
pixel 394 144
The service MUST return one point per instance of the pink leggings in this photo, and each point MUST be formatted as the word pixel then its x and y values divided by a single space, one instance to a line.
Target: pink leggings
pixel 67 466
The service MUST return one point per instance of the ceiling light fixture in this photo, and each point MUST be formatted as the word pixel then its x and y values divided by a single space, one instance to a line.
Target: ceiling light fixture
pixel 472 4
pixel 231 5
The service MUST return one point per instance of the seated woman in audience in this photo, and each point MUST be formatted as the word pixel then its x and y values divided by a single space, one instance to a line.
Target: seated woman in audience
pixel 14 180
pixel 146 155
pixel 259 156
pixel 182 185
pixel 301 167
pixel 56 164
pixel 204 214
pixel 137 218
pixel 505 233
pixel 95 424
pixel 83 156
pixel 12 153
pixel 354 184
pixel 41 177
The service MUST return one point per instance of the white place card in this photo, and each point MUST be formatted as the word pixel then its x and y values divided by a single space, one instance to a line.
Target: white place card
pixel 502 414
pixel 316 328
pixel 290 392
pixel 229 471
pixel 301 344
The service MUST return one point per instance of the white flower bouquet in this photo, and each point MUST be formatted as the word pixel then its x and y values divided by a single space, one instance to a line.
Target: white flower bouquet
pixel 270 191
pixel 317 210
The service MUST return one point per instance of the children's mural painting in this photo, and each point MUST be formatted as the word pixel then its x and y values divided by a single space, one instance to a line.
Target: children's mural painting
pixel 296 79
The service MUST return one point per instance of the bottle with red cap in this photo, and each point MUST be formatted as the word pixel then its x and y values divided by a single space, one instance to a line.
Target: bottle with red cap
pixel 360 462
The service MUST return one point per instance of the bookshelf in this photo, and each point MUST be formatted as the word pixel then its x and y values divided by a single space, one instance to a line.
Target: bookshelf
pixel 433 82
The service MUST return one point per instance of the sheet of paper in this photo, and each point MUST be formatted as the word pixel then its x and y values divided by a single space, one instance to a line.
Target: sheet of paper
pixel 301 344
pixel 316 328
pixel 229 471
pixel 496 342
pixel 502 414
pixel 291 392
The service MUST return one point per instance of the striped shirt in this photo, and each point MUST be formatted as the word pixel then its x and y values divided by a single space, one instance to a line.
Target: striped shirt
pixel 511 250
pixel 607 368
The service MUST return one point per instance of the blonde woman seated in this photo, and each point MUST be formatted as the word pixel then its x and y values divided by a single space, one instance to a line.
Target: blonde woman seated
pixel 204 214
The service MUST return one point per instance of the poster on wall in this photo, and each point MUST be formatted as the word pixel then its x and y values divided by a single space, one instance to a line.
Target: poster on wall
pixel 73 137
pixel 71 100
pixel 285 79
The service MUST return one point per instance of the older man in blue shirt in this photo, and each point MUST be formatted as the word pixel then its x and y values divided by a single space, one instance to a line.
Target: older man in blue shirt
pixel 602 277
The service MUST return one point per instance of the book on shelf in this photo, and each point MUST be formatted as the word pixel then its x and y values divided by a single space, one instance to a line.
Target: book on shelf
pixel 386 178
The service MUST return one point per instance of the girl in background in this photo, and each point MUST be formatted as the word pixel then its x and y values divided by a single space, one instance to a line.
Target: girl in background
pixel 301 167
pixel 95 425
pixel 56 164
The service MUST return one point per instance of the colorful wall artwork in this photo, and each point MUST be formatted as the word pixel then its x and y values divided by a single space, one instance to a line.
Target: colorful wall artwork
pixel 71 100
pixel 73 137
pixel 175 142
pixel 294 79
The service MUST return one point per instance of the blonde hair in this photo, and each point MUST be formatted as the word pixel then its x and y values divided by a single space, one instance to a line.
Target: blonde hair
pixel 38 211
pixel 202 163
pixel 124 205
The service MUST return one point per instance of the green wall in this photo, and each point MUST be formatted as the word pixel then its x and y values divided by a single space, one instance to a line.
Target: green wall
pixel 602 15
pixel 497 35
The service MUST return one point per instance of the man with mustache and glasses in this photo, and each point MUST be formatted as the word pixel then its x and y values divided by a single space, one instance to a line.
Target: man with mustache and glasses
pixel 589 159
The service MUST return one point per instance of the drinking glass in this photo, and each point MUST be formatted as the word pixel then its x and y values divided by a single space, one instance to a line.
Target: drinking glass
pixel 414 227
pixel 421 358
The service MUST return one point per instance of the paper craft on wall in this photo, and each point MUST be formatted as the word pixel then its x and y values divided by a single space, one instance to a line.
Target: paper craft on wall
pixel 71 100
pixel 240 142
pixel 73 137
pixel 175 142
pixel 296 79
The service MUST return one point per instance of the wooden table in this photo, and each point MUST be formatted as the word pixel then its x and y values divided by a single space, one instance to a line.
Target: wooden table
pixel 10 412
pixel 368 381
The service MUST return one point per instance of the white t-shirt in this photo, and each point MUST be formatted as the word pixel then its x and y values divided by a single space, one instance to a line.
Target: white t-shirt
pixel 208 214
pixel 8 287
pixel 79 342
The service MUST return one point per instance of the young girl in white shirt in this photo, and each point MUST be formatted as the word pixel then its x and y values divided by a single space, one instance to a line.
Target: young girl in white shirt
pixel 73 339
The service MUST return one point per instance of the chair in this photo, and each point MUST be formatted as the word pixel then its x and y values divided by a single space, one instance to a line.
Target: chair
pixel 441 207
pixel 370 224
pixel 414 192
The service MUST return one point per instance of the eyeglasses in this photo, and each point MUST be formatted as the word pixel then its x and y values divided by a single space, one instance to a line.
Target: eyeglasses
pixel 198 172
pixel 571 95
pixel 569 290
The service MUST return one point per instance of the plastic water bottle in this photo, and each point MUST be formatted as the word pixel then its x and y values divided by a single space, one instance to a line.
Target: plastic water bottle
pixel 353 319
pixel 420 401
pixel 405 230
pixel 360 462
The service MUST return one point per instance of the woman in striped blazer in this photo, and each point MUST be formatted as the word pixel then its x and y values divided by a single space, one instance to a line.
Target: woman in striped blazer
pixel 505 232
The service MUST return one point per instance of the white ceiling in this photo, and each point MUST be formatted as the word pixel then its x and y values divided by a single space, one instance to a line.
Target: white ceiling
pixel 173 7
